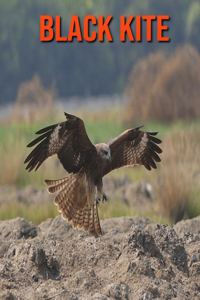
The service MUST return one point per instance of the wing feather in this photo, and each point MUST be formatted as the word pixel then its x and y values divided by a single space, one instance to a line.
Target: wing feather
pixel 45 129
pixel 154 155
pixel 134 147
pixel 154 139
pixel 37 140
pixel 155 148
pixel 68 140
pixel 35 152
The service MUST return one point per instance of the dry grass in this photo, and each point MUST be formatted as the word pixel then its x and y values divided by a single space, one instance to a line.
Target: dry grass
pixel 177 186
pixel 164 88
pixel 34 102
pixel 12 155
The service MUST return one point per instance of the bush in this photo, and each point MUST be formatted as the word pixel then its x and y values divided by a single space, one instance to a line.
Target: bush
pixel 177 186
pixel 165 88
pixel 33 102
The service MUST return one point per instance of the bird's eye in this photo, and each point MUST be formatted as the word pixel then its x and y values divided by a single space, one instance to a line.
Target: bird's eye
pixel 105 152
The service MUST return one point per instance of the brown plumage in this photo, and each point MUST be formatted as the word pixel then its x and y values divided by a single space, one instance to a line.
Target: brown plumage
pixel 80 192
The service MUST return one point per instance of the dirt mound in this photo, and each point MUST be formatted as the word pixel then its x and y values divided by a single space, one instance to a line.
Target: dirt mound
pixel 135 259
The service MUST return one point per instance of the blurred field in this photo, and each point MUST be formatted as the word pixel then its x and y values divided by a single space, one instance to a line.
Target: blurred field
pixel 175 184
pixel 165 88
pixel 164 94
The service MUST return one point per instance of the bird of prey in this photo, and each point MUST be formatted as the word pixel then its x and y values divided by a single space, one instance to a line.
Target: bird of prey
pixel 86 164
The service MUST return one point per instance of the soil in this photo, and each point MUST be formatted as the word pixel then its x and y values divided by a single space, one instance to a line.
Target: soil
pixel 136 258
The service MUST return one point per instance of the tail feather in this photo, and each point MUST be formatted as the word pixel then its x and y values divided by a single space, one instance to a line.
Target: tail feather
pixel 54 182
pixel 96 220
pixel 86 218
pixel 74 205
pixel 70 214
pixel 58 185
pixel 76 218
pixel 61 198
pixel 57 188
pixel 81 219
pixel 67 210
pixel 65 193
pixel 91 221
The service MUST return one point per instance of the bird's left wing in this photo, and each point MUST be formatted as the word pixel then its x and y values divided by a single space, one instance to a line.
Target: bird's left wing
pixel 134 147
pixel 68 140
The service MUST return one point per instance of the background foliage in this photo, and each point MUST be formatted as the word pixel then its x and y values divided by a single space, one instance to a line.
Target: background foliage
pixel 165 88
pixel 83 68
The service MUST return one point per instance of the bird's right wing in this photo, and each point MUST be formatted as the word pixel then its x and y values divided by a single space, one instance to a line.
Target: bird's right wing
pixel 134 147
pixel 68 140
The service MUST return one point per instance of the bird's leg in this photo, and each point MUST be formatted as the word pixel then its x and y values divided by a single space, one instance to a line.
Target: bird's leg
pixel 97 199
pixel 100 194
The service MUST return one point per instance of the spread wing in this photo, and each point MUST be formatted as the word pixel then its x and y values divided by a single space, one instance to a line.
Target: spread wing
pixel 134 147
pixel 68 140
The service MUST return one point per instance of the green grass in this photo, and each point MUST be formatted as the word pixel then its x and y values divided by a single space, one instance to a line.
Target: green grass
pixel 102 131
pixel 37 213
pixel 31 212
pixel 117 208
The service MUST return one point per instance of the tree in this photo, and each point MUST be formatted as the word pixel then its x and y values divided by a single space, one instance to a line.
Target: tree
pixel 193 24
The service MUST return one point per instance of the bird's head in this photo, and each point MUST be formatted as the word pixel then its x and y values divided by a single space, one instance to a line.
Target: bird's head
pixel 104 151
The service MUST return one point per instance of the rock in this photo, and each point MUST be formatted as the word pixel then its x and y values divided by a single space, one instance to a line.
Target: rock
pixel 136 258
pixel 16 229
pixel 185 226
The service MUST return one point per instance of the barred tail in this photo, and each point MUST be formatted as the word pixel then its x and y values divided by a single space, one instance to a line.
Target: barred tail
pixel 58 184
pixel 72 203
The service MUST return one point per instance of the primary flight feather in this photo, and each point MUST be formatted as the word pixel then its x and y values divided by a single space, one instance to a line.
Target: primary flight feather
pixel 82 189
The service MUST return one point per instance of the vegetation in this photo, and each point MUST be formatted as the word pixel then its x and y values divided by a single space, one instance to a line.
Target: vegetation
pixel 165 88
pixel 83 68
pixel 36 213
pixel 175 183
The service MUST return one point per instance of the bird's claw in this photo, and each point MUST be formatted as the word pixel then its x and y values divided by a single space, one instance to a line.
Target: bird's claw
pixel 104 199
pixel 97 200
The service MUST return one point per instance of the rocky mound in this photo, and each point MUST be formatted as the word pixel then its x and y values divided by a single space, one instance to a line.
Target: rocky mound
pixel 135 259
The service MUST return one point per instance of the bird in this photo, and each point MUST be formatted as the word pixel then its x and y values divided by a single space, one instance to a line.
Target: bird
pixel 80 192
